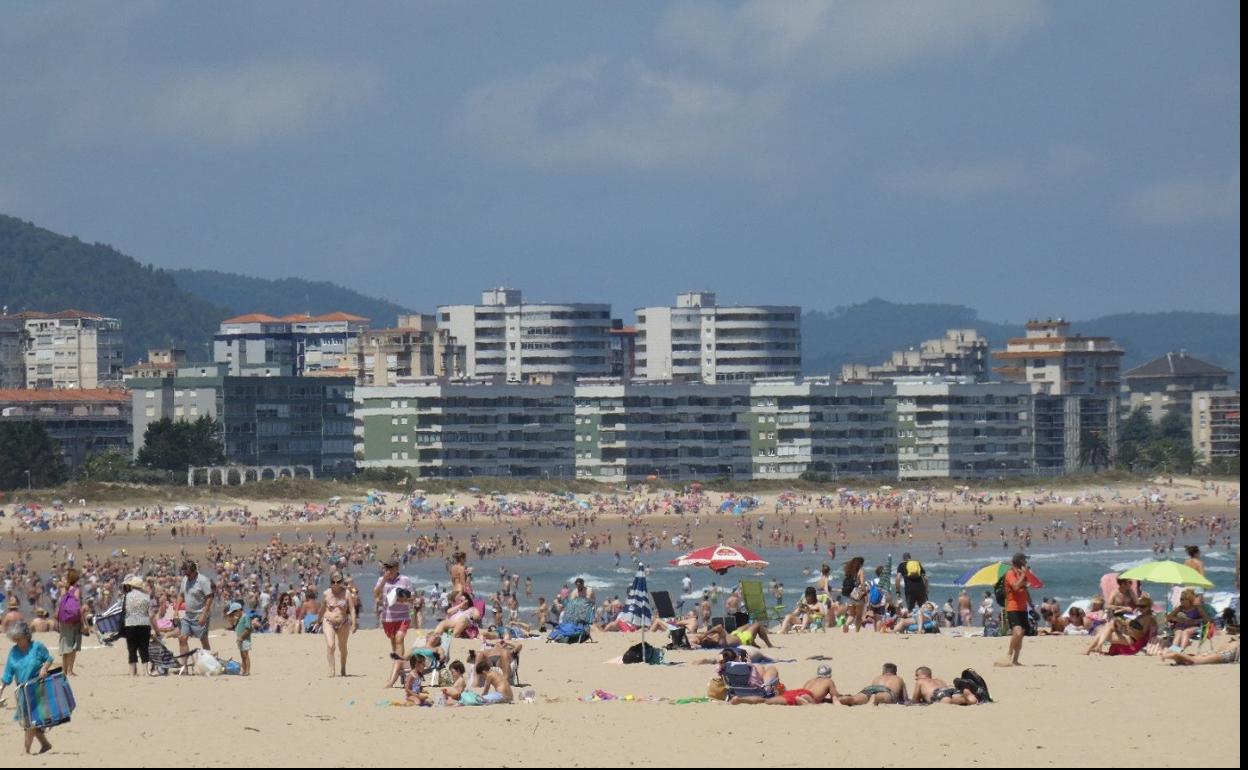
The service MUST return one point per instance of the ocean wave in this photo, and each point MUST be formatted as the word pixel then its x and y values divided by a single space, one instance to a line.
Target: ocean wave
pixel 593 581
pixel 1123 566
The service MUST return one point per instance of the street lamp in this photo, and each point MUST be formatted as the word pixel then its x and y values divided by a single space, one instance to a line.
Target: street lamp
pixel 28 486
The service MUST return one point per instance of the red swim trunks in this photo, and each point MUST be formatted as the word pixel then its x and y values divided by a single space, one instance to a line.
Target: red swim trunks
pixel 397 628
pixel 626 627
pixel 791 696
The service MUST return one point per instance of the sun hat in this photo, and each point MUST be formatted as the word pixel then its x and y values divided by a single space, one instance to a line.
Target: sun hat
pixel 134 581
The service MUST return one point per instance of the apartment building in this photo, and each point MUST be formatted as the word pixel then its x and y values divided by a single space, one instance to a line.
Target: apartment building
pixel 515 341
pixel 699 340
pixel 630 431
pixel 83 421
pixel 301 343
pixel 1075 382
pixel 12 352
pixel 466 429
pixel 1166 384
pixel 1215 424
pixel 264 420
pixel 960 353
pixel 952 428
pixel 415 348
pixel 71 349
pixel 161 362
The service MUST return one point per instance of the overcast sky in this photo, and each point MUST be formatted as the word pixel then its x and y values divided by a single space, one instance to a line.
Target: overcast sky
pixel 1023 158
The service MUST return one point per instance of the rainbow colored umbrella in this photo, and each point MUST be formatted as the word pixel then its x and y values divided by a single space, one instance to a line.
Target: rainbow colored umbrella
pixel 1169 572
pixel 989 575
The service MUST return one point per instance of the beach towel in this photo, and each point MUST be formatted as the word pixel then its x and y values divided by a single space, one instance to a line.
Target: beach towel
pixel 46 702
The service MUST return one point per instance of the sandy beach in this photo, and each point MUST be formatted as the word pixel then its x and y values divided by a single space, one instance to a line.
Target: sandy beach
pixel 1063 709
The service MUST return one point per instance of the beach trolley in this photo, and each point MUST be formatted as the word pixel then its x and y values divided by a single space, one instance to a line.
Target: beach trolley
pixel 108 623
pixel 46 702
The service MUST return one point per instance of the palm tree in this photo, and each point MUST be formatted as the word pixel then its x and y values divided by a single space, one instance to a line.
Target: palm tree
pixel 1093 449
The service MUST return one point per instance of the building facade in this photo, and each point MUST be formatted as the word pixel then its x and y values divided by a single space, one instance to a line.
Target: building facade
pixel 84 421
pixel 960 353
pixel 962 429
pixel 513 341
pixel 12 352
pixel 301 343
pixel 1215 424
pixel 1166 384
pixel 415 348
pixel 467 429
pixel 1075 380
pixel 161 362
pixel 701 341
pixel 264 420
pixel 72 349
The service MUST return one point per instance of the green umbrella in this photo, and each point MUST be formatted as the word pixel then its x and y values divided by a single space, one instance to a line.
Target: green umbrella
pixel 1170 572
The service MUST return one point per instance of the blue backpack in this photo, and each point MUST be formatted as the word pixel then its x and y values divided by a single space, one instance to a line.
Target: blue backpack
pixel 876 596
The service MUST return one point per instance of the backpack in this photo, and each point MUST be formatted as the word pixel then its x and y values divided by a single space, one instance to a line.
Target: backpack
pixel 970 680
pixel 998 591
pixel 643 653
pixel 71 608
pixel 914 570
pixel 876 596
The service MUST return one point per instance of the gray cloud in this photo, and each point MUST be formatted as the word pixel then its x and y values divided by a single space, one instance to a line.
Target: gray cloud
pixel 1060 166
pixel 1186 201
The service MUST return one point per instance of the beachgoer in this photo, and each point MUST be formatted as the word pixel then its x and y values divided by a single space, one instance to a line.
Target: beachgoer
pixel 807 610
pixel 821 689
pixel 1193 559
pixel 913 578
pixel 138 614
pixel 1228 654
pixel 884 689
pixel 1187 619
pixel 1127 637
pixel 854 588
pixel 196 594
pixel 1017 604
pixel 395 609
pixel 459 618
pixel 928 689
pixel 28 660
pixel 338 621
pixel 69 620
pixel 241 624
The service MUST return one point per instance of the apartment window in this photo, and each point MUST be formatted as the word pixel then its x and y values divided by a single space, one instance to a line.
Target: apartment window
pixel 404 403
pixel 403 421
pixel 194 411
pixel 394 404
pixel 394 439
pixel 394 420
pixel 177 411
pixel 151 411
pixel 405 455
pixel 150 394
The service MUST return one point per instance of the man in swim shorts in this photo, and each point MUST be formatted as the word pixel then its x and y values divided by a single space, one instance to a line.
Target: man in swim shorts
pixel 884 689
pixel 928 689
pixel 821 689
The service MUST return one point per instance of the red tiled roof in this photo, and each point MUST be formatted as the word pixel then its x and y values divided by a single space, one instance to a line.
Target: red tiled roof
pixel 64 314
pixel 52 396
pixel 339 316
pixel 252 318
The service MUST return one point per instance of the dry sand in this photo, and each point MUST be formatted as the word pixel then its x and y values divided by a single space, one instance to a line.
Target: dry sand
pixel 1063 709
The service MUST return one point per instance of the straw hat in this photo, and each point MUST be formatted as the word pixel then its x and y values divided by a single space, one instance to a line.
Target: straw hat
pixel 135 582
pixel 12 602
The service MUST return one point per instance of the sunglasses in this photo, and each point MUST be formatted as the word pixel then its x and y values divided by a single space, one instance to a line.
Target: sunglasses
pixel 335 582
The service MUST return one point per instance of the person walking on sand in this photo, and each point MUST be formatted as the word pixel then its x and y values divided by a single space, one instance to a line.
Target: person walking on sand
pixel 28 660
pixel 338 621
pixel 1017 604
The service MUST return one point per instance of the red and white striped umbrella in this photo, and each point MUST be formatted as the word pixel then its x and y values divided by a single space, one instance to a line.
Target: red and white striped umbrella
pixel 720 558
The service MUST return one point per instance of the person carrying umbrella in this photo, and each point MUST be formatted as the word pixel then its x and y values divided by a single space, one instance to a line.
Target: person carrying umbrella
pixel 1017 603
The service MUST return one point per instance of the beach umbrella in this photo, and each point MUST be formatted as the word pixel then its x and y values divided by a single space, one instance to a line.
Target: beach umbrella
pixel 637 609
pixel 1169 572
pixel 989 575
pixel 720 558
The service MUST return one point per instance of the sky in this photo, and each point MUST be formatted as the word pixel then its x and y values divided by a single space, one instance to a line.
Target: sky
pixel 1020 157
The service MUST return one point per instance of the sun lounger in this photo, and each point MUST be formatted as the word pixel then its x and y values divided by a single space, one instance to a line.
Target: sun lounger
pixel 756 603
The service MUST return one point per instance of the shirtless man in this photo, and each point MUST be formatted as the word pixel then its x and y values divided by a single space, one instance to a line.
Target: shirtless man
pixel 885 688
pixel 964 608
pixel 718 636
pixel 928 689
pixel 1123 598
pixel 689 622
pixel 42 623
pixel 821 689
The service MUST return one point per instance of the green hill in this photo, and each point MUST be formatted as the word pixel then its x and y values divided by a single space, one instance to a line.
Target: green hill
pixel 42 270
pixel 283 296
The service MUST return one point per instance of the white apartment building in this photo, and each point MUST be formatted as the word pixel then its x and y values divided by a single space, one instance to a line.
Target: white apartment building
pixel 72 349
pixel 518 342
pixel 301 343
pixel 1215 424
pixel 701 341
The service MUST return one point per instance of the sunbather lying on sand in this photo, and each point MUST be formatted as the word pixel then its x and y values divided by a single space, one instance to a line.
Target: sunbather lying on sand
pixel 1228 654
pixel 821 689
pixel 885 688
pixel 929 689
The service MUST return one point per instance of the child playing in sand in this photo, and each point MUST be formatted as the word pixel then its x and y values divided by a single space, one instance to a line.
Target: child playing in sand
pixel 242 632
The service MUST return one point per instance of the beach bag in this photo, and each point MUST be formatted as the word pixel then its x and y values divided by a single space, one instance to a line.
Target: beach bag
pixel 233 668
pixel 71 608
pixel 207 664
pixel 45 703
pixel 717 690
pixel 643 653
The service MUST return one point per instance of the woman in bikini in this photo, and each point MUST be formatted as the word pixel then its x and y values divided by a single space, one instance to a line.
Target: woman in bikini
pixel 1127 637
pixel 808 608
pixel 338 621
pixel 854 588
pixel 1187 619
pixel 459 617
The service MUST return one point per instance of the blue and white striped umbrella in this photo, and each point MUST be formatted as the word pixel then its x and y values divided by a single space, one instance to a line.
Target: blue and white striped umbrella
pixel 637 611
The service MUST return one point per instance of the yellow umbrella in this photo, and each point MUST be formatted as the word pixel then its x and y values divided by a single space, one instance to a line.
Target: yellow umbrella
pixel 1170 572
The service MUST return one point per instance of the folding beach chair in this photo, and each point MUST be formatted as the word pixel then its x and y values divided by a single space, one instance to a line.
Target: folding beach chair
pixel 737 679
pixel 756 602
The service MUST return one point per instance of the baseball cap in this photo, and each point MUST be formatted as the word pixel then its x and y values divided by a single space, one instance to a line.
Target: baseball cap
pixel 824 670
pixel 234 607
